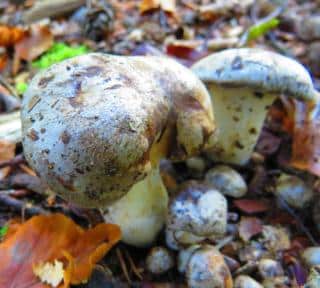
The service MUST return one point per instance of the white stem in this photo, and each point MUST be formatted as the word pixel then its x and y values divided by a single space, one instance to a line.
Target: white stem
pixel 10 127
pixel 141 213
pixel 239 113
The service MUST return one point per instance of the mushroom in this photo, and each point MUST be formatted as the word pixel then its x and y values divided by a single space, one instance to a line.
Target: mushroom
pixel 243 83
pixel 95 127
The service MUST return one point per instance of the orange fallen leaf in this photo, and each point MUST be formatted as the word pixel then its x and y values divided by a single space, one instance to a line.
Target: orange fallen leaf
pixel 39 40
pixel 306 138
pixel 10 35
pixel 166 5
pixel 50 238
pixel 3 61
pixel 302 121
pixel 7 151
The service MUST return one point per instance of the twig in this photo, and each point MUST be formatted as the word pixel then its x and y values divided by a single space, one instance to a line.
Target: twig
pixel 134 268
pixel 277 45
pixel 50 8
pixel 24 181
pixel 12 162
pixel 123 265
pixel 302 227
pixel 223 242
pixel 10 127
pixel 19 205
pixel 8 87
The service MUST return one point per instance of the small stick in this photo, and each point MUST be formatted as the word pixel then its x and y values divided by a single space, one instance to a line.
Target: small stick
pixel 19 205
pixel 123 265
pixel 10 127
pixel 48 8
pixel 18 159
pixel 223 242
pixel 302 227
pixel 133 265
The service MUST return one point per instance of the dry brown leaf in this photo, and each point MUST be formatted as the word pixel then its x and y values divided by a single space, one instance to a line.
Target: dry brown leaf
pixel 10 35
pixel 166 5
pixel 306 138
pixel 3 61
pixel 251 206
pixel 249 227
pixel 7 151
pixel 302 121
pixel 46 238
pixel 275 238
pixel 39 40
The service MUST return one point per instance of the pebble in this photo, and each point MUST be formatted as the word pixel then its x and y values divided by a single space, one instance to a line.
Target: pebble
pixel 184 257
pixel 293 190
pixel 311 256
pixel 227 180
pixel 269 268
pixel 197 166
pixel 207 269
pixel 159 260
pixel 244 281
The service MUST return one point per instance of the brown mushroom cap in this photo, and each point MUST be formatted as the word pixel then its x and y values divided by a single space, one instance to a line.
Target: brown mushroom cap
pixel 94 125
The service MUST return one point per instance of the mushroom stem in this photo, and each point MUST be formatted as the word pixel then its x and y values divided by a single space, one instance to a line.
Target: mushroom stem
pixel 10 127
pixel 141 212
pixel 239 119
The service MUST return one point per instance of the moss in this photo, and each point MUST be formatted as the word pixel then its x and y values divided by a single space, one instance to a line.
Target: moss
pixel 57 53
pixel 21 87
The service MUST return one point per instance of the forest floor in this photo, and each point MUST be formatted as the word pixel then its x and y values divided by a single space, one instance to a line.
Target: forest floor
pixel 261 224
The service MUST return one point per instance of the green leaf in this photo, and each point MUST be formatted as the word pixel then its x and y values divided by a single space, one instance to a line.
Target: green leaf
pixel 58 52
pixel 3 231
pixel 260 29
pixel 21 87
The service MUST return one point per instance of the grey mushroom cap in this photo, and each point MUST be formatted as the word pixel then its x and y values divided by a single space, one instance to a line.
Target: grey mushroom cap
pixel 263 70
pixel 96 124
